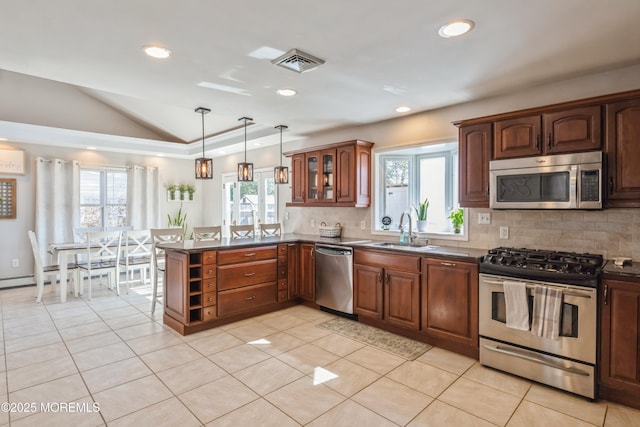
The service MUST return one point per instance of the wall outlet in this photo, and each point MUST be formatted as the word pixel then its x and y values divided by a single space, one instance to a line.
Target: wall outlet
pixel 484 218
pixel 504 232
pixel 363 225
pixel 313 223
pixel 15 262
pixel 286 216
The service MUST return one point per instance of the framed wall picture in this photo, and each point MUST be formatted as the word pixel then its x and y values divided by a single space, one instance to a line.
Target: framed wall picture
pixel 7 198
pixel 11 161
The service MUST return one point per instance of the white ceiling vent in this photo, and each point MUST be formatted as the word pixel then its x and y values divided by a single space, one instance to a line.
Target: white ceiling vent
pixel 297 61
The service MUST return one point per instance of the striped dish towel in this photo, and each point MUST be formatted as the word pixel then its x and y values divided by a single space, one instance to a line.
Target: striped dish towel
pixel 547 308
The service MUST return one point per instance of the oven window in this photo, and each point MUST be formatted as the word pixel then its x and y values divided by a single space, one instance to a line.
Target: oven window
pixel 538 187
pixel 568 317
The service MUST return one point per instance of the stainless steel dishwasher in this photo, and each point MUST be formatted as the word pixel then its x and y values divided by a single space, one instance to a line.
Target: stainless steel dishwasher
pixel 334 277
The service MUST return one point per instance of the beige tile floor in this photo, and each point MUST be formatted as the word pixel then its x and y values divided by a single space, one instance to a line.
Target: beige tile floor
pixel 109 362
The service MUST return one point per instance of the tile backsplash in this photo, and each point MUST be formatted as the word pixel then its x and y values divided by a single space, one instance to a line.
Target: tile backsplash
pixel 610 232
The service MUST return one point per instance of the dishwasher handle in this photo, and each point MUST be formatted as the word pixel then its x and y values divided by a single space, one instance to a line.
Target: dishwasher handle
pixel 333 251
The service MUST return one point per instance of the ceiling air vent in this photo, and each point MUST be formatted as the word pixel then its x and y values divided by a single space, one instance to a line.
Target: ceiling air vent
pixel 297 61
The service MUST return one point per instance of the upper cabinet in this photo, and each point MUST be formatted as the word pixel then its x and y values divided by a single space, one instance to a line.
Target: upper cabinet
pixel 332 175
pixel 474 154
pixel 565 131
pixel 623 152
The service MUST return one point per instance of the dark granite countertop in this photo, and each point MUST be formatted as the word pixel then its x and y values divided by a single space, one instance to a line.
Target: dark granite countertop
pixel 628 271
pixel 444 252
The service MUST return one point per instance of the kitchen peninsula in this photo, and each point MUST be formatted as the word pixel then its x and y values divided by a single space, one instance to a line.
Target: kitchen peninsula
pixel 211 283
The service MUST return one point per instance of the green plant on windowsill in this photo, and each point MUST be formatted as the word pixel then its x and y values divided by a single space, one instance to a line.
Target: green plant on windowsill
pixel 457 219
pixel 421 210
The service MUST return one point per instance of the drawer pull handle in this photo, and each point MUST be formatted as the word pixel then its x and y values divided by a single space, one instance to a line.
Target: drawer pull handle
pixel 250 298
pixel 210 271
pixel 249 274
pixel 448 264
pixel 250 254
pixel 210 299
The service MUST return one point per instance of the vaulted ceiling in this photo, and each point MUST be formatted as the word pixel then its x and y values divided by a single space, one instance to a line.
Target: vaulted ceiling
pixel 378 55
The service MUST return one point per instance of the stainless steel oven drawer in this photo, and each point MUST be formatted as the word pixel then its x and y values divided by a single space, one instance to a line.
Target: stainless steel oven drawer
pixel 565 374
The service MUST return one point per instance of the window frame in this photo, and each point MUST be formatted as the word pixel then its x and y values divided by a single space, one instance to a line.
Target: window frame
pixel 104 205
pixel 414 154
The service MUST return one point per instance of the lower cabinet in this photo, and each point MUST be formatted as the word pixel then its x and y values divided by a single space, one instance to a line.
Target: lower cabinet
pixel 449 306
pixel 387 287
pixel 307 272
pixel 620 342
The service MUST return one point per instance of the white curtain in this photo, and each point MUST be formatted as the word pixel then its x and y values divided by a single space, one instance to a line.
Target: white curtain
pixel 143 204
pixel 57 201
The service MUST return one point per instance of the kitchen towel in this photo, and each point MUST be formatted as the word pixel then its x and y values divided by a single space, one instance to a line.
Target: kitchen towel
pixel 547 308
pixel 516 305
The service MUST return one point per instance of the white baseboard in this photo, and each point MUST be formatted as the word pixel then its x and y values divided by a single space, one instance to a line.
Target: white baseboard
pixel 12 282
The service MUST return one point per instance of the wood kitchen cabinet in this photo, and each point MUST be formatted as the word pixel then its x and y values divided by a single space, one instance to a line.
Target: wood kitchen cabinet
pixel 332 175
pixel 623 152
pixel 565 131
pixel 474 155
pixel 307 272
pixel 293 256
pixel 387 287
pixel 449 305
pixel 620 342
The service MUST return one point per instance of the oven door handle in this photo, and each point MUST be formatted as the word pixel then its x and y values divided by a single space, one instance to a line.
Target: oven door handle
pixel 532 358
pixel 565 291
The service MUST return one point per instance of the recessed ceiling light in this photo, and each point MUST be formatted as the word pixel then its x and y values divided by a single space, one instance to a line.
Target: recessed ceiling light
pixel 3 139
pixel 221 152
pixel 157 52
pixel 160 154
pixel 456 28
pixel 91 148
pixel 286 92
pixel 403 109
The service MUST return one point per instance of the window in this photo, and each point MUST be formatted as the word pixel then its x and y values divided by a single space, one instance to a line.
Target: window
pixel 103 198
pixel 408 176
pixel 250 202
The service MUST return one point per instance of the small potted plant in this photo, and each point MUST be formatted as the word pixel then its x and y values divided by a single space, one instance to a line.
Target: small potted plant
pixel 457 219
pixel 421 212
pixel 172 191
pixel 191 189
pixel 182 188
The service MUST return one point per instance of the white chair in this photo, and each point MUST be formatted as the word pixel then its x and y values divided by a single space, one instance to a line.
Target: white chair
pixel 103 255
pixel 136 255
pixel 242 231
pixel 207 233
pixel 41 271
pixel 267 230
pixel 158 236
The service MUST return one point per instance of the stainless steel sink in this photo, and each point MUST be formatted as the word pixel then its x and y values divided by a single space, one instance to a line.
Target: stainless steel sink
pixel 407 246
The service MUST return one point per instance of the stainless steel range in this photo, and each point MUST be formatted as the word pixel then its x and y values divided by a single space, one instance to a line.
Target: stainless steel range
pixel 555 290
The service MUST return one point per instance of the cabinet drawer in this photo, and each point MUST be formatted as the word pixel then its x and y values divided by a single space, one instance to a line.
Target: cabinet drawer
pixel 209 313
pixel 408 263
pixel 283 272
pixel 234 256
pixel 283 260
pixel 250 273
pixel 208 257
pixel 209 299
pixel 282 296
pixel 208 271
pixel 209 285
pixel 247 298
pixel 283 249
pixel 283 284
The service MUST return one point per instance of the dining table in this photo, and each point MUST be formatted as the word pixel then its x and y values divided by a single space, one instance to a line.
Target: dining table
pixel 60 255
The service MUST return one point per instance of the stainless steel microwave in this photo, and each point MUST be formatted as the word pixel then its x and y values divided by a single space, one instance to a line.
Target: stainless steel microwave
pixel 562 181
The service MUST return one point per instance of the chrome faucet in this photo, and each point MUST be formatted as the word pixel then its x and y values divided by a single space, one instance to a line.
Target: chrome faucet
pixel 412 236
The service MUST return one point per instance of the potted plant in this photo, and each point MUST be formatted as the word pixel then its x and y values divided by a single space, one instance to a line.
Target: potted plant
pixel 182 188
pixel 421 212
pixel 178 221
pixel 191 189
pixel 457 219
pixel 172 191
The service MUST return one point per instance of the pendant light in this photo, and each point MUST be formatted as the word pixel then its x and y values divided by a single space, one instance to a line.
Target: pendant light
pixel 204 166
pixel 281 173
pixel 245 170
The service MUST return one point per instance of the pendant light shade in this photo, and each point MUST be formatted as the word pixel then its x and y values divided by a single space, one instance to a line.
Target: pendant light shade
pixel 204 166
pixel 245 170
pixel 281 173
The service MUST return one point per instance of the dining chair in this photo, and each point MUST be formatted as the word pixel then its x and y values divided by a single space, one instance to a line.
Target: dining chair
pixel 207 233
pixel 242 231
pixel 41 271
pixel 136 255
pixel 103 255
pixel 270 229
pixel 158 236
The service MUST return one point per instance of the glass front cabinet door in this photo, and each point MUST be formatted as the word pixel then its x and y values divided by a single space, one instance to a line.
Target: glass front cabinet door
pixel 321 176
